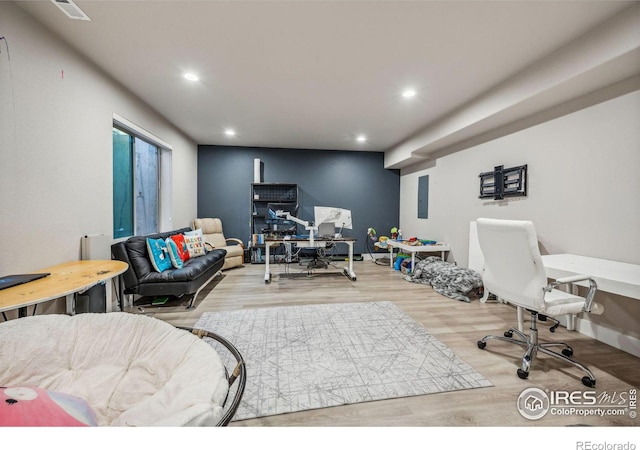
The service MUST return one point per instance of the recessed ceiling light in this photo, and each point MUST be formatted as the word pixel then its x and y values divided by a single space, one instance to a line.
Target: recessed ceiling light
pixel 191 76
pixel 408 93
pixel 230 132
pixel 71 9
pixel 361 138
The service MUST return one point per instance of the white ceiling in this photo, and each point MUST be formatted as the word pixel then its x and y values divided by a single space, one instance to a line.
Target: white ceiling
pixel 314 74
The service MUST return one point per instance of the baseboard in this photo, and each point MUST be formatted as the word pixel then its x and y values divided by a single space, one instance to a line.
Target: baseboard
pixel 371 256
pixel 345 257
pixel 609 336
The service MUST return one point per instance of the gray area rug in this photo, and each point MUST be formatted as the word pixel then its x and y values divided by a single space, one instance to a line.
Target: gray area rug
pixel 317 356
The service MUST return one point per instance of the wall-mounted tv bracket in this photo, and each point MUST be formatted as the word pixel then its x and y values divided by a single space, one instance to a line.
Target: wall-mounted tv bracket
pixel 503 182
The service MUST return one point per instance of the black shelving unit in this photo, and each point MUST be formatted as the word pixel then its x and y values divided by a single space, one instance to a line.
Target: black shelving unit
pixel 261 195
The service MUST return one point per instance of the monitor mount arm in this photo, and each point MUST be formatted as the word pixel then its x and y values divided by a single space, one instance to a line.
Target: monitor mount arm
pixel 304 223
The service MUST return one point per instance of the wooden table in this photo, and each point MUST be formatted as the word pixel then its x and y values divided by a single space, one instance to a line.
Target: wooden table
pixel 65 280
pixel 413 249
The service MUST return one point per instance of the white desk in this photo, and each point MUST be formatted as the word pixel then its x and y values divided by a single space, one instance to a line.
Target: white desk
pixel 610 276
pixel 306 243
pixel 413 249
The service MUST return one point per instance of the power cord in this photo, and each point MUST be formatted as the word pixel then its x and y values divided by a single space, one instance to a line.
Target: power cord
pixel 384 261
pixel 308 270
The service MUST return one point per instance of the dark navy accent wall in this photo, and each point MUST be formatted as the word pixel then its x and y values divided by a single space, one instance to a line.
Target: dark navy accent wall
pixel 352 180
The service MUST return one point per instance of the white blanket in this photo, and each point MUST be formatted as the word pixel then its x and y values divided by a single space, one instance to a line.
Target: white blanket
pixel 133 370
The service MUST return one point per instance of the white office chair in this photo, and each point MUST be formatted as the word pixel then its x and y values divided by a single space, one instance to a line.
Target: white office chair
pixel 514 272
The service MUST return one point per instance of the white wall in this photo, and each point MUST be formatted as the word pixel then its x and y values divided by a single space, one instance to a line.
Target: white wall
pixel 584 192
pixel 56 113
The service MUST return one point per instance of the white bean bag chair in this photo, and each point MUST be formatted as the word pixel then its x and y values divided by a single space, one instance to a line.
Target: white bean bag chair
pixel 132 370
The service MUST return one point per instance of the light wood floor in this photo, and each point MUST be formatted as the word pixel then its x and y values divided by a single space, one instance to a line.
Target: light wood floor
pixel 457 324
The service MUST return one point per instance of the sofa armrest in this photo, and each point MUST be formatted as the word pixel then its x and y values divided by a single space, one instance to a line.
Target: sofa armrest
pixel 236 240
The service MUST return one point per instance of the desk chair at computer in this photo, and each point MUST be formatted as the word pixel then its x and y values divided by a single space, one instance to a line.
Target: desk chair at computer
pixel 513 271
pixel 317 261
pixel 318 257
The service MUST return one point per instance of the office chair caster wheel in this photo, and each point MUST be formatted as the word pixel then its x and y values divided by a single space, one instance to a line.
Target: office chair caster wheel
pixel 481 345
pixel 524 375
pixel 588 382
pixel 508 334
pixel 568 352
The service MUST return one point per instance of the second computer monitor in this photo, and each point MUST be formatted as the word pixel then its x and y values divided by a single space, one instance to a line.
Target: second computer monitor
pixel 340 217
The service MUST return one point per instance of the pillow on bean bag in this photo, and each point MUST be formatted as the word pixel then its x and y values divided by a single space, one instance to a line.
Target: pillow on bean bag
pixel 25 406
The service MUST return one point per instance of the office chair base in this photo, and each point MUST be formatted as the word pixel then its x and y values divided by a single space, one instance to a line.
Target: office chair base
pixel 533 346
pixel 556 323
pixel 317 264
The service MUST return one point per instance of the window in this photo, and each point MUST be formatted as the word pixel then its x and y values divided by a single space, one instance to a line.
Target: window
pixel 140 187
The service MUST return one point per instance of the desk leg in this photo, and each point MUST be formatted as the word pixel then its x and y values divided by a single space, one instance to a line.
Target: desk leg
pixel 390 256
pixel 571 322
pixel 413 261
pixel 108 297
pixel 267 272
pixel 519 315
pixel 71 304
pixel 520 319
pixel 571 318
pixel 348 271
pixel 125 299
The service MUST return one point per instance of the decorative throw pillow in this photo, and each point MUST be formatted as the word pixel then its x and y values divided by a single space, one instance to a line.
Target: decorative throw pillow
pixel 158 254
pixel 174 255
pixel 182 247
pixel 22 406
pixel 195 245
pixel 196 232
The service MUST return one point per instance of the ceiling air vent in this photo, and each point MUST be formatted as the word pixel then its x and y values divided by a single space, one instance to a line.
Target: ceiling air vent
pixel 71 9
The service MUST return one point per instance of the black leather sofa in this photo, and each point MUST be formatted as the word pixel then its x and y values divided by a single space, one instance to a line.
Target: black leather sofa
pixel 142 279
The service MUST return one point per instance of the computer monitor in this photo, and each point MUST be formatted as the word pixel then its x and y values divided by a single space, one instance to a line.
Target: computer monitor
pixel 338 216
